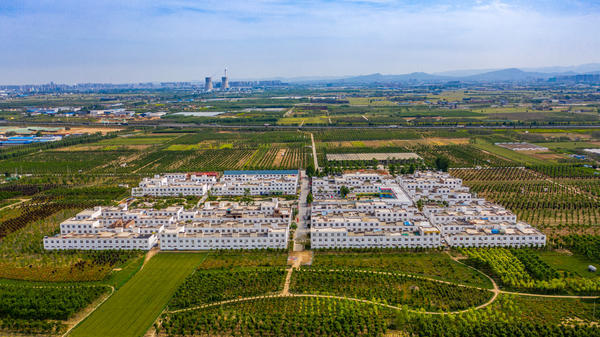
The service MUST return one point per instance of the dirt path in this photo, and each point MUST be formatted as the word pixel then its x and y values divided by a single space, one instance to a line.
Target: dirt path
pixel 15 204
pixel 286 285
pixel 297 258
pixel 279 157
pixel 572 189
pixel 289 112
pixel 314 151
pixel 149 255
pixel 419 277
pixel 548 296
pixel 204 306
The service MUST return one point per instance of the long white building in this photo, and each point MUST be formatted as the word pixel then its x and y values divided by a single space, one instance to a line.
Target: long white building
pixel 175 184
pixel 180 239
pixel 267 182
pixel 419 236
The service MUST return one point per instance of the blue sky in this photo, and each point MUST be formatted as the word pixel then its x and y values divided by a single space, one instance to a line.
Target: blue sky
pixel 70 41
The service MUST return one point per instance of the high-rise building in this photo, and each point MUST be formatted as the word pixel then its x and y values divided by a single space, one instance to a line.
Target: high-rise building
pixel 208 84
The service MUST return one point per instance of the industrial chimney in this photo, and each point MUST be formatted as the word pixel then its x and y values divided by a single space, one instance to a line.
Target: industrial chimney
pixel 224 81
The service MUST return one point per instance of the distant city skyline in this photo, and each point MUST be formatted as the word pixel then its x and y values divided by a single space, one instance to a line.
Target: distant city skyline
pixel 71 41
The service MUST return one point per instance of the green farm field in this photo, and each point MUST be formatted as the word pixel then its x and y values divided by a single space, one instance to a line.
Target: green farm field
pixel 132 309
pixel 573 263
pixel 149 139
pixel 431 264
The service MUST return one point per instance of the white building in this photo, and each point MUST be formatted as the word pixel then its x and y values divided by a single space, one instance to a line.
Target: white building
pixel 179 239
pixel 216 225
pixel 268 182
pixel 438 186
pixel 420 236
pixel 480 233
pixel 101 241
pixel 174 184
pixel 380 212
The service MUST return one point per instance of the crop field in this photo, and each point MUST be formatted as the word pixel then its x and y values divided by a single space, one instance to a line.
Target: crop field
pixel 508 316
pixel 168 152
pixel 22 229
pixel 459 155
pixel 548 310
pixel 506 154
pixel 287 316
pixel 556 206
pixel 58 162
pixel 22 256
pixel 395 289
pixel 431 264
pixel 265 157
pixel 233 259
pixel 39 309
pixel 208 286
pixel 144 139
pixel 146 294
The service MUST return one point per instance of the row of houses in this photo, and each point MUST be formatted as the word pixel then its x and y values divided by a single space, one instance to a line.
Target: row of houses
pixel 215 225
pixel 231 183
pixel 381 211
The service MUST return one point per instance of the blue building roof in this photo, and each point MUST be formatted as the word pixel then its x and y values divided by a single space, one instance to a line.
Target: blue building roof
pixel 21 138
pixel 252 172
pixel 15 142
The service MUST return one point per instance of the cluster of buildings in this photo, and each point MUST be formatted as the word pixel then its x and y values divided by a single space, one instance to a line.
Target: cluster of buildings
pixel 355 210
pixel 215 225
pixel 424 209
pixel 231 183
pixel 176 184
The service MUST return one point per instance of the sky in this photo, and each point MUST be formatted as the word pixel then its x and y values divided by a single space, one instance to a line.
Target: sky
pixel 118 41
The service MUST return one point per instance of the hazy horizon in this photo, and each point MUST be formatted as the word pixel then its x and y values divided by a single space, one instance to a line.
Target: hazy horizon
pixel 181 40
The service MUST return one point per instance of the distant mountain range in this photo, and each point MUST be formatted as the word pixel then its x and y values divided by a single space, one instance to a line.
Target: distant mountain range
pixel 472 75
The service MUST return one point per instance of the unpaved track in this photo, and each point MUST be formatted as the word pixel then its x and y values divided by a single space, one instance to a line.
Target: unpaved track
pixel 204 306
pixel 314 151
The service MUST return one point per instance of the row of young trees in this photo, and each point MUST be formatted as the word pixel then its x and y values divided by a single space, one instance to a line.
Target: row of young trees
pixel 442 327
pixel 289 316
pixel 588 245
pixel 394 289
pixel 208 286
pixel 30 326
pixel 517 274
pixel 45 302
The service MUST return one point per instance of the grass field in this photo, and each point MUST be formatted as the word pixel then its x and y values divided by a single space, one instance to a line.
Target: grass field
pixel 138 140
pixel 573 263
pixel 135 306
pixel 508 154
pixel 305 120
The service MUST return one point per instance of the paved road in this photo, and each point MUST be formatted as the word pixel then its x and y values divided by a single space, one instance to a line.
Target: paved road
pixel 303 210
pixel 314 151
pixel 315 127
